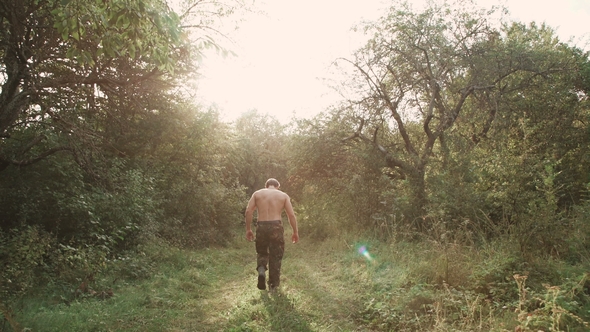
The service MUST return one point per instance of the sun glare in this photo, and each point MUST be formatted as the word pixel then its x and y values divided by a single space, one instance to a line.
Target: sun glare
pixel 283 57
pixel 362 250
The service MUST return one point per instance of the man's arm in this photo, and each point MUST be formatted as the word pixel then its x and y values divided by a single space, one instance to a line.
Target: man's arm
pixel 292 219
pixel 249 214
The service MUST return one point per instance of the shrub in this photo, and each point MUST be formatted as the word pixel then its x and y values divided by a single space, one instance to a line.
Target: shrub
pixel 24 253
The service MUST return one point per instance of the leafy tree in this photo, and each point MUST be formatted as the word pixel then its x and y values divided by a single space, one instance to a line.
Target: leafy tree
pixel 260 150
pixel 96 80
pixel 338 182
pixel 532 167
pixel 74 70
pixel 195 179
pixel 113 154
pixel 422 70
pixel 499 167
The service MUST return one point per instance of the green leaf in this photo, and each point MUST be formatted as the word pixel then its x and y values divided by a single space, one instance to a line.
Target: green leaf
pixel 132 51
pixel 73 23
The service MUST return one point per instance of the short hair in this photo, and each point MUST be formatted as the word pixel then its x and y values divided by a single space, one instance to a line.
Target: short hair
pixel 272 182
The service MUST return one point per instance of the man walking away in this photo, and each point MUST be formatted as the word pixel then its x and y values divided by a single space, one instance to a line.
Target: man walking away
pixel 270 242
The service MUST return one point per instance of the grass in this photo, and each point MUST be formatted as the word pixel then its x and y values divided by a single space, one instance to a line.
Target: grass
pixel 325 286
pixel 211 290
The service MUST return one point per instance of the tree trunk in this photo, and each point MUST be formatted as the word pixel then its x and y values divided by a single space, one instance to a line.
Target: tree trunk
pixel 418 200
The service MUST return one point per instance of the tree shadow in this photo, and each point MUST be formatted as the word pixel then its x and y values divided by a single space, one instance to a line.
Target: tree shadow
pixel 283 315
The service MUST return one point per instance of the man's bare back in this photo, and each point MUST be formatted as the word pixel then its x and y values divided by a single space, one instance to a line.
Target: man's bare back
pixel 270 203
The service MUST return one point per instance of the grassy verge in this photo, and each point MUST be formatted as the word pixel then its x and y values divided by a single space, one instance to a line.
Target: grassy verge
pixel 327 286
pixel 209 290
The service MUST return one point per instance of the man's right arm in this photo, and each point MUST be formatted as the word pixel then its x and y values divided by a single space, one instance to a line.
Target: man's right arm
pixel 248 215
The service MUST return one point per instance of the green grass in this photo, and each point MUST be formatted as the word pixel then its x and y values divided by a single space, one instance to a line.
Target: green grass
pixel 325 286
pixel 212 290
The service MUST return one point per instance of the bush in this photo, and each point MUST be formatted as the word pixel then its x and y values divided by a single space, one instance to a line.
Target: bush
pixel 24 253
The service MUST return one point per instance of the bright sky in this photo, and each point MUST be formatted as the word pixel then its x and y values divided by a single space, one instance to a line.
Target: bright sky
pixel 284 56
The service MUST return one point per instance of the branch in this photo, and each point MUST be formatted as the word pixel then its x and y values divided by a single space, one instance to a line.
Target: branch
pixel 356 134
pixel 476 138
pixel 34 142
pixel 391 161
pixel 430 111
pixel 20 163
pixel 93 79
pixel 375 134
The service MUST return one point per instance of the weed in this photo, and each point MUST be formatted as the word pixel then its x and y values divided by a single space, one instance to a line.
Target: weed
pixel 547 310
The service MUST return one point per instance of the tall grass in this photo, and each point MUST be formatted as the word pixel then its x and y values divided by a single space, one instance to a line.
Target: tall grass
pixel 326 285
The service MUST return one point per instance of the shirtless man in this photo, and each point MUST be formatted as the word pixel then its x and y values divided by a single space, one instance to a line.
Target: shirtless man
pixel 270 241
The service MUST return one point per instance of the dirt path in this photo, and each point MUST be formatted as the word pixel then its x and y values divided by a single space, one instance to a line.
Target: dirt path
pixel 317 292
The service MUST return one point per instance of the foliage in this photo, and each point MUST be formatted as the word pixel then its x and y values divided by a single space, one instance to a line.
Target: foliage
pixel 73 72
pixel 337 184
pixel 23 254
pixel 56 197
pixel 99 151
pixel 433 84
pixel 556 308
pixel 326 286
pixel 194 180
pixel 124 28
pixel 484 290
pixel 260 151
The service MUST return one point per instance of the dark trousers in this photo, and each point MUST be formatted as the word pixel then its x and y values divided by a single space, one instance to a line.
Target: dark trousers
pixel 270 246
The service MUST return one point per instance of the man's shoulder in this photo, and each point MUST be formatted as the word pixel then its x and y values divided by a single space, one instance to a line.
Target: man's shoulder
pixel 267 192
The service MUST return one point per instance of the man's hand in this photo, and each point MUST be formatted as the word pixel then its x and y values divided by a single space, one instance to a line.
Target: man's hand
pixel 249 235
pixel 295 238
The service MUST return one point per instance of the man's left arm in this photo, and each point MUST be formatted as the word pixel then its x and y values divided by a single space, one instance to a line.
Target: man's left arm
pixel 248 215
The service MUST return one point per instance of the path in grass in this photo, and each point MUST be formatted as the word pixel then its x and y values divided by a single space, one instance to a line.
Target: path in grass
pixel 318 291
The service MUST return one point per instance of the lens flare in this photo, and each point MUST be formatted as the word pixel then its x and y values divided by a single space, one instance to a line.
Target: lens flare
pixel 365 253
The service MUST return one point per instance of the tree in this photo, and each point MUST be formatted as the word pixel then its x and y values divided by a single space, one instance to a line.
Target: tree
pixel 194 178
pixel 260 150
pixel 99 148
pixel 532 166
pixel 73 70
pixel 419 73
pixel 339 186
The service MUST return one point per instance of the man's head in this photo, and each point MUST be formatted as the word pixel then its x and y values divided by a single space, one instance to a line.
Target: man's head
pixel 272 182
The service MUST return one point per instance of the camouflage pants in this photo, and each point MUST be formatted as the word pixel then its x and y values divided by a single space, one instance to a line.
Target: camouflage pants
pixel 270 246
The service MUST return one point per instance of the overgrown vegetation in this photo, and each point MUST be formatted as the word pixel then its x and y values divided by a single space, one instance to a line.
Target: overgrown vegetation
pixel 327 286
pixel 459 164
